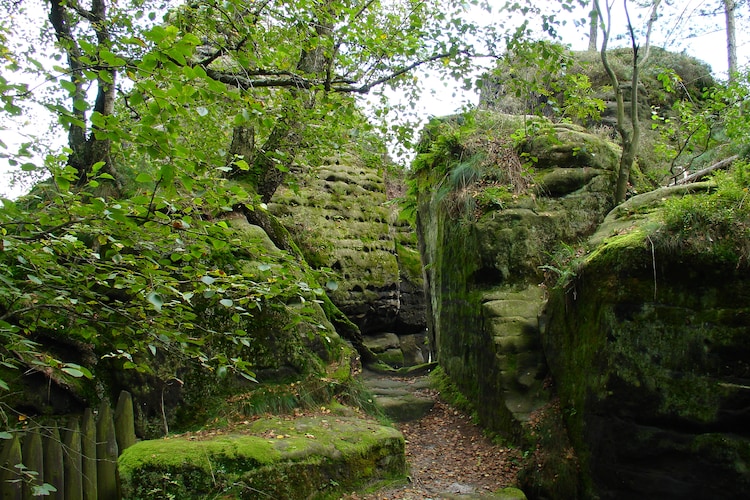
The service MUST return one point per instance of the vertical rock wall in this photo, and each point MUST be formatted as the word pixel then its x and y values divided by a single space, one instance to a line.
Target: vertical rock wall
pixel 645 340
pixel 484 266
pixel 339 216
pixel 650 351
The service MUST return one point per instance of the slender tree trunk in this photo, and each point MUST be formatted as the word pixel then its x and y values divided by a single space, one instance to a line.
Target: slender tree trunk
pixel 627 127
pixel 730 7
pixel 593 29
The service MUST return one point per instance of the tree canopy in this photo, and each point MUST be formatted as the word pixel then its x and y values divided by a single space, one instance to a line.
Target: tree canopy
pixel 176 116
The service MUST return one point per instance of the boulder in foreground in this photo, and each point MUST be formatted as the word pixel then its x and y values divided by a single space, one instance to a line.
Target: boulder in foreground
pixel 279 457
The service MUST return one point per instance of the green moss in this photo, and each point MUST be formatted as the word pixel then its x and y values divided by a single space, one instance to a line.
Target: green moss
pixel 509 493
pixel 642 327
pixel 409 263
pixel 718 448
pixel 310 457
pixel 392 357
pixel 440 381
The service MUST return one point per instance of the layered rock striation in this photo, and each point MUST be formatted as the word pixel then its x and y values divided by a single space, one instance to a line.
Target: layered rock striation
pixel 340 217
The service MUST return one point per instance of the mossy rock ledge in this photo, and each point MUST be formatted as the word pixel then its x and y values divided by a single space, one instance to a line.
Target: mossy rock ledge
pixel 312 457
pixel 649 347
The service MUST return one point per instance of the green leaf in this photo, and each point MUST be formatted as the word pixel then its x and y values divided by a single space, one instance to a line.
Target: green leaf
pixel 208 280
pixel 226 302
pixel 5 435
pixel 69 86
pixel 167 173
pixel 72 372
pixel 332 285
pixel 34 279
pixel 76 370
pixel 42 490
pixel 144 177
pixel 156 300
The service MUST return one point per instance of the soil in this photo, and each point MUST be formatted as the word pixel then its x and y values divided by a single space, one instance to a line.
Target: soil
pixel 449 457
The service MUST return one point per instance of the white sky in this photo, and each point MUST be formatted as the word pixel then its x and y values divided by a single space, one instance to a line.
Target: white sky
pixel 440 100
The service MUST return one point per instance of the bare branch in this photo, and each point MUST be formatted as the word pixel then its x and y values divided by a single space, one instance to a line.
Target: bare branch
pixel 286 79
pixel 696 176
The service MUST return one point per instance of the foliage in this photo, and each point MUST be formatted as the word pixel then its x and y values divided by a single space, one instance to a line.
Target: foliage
pixel 702 130
pixel 716 224
pixel 284 70
pixel 129 241
pixel 464 156
pixel 126 278
pixel 542 78
pixel 562 267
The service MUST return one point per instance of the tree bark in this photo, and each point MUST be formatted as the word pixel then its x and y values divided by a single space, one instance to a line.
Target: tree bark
pixel 730 7
pixel 87 149
pixel 593 29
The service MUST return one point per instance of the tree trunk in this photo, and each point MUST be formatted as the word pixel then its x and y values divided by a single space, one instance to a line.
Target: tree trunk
pixel 730 7
pixel 76 131
pixel 89 150
pixel 628 128
pixel 593 29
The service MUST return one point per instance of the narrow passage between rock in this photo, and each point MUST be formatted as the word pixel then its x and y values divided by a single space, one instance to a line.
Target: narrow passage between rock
pixel 448 455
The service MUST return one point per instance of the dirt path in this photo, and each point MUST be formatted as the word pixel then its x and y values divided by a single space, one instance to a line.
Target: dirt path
pixel 449 457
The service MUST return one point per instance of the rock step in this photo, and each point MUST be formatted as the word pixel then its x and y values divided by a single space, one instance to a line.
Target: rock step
pixel 402 399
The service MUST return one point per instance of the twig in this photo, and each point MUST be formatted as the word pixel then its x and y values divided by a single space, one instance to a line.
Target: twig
pixel 653 262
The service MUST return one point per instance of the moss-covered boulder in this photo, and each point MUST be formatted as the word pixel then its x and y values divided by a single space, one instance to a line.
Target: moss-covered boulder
pixel 315 457
pixel 649 347
pixel 339 216
pixel 490 213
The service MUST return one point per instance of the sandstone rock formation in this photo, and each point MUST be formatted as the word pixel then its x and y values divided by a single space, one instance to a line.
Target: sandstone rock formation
pixel 617 347
pixel 340 218
pixel 485 267
pixel 652 353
